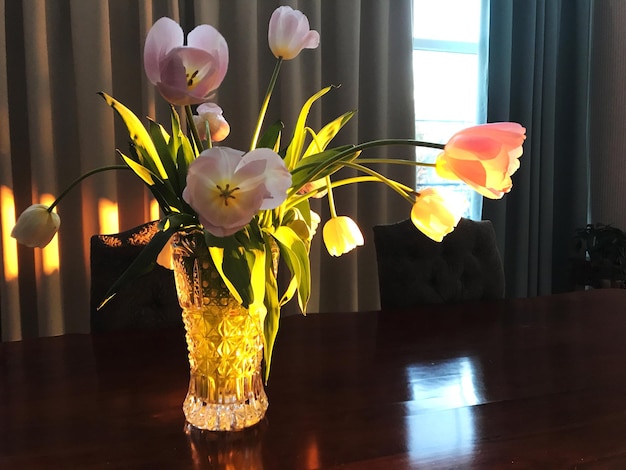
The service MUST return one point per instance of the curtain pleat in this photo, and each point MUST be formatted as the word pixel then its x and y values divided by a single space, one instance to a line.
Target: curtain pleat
pixel 61 53
pixel 608 115
pixel 9 291
pixel 538 76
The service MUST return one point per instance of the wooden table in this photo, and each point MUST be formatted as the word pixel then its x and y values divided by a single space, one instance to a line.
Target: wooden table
pixel 527 383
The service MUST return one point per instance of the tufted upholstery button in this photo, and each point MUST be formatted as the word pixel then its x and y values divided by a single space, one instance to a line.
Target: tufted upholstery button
pixel 413 269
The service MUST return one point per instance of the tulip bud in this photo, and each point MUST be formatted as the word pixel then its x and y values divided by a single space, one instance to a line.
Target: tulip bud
pixel 218 126
pixel 36 226
pixel 289 33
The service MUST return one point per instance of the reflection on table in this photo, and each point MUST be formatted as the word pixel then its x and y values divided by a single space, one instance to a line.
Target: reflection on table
pixel 530 383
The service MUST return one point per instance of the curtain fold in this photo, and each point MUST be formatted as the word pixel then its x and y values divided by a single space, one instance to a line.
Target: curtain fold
pixel 539 53
pixel 608 114
pixel 60 53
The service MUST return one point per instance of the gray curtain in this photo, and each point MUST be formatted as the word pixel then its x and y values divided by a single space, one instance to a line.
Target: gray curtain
pixel 539 74
pixel 608 114
pixel 60 53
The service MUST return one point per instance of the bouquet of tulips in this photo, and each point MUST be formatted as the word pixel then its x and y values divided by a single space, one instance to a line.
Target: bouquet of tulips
pixel 245 201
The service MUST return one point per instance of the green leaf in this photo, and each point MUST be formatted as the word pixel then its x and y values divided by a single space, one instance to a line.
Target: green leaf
pixel 183 166
pixel 271 137
pixel 304 208
pixel 297 143
pixel 235 268
pixel 320 165
pixel 326 134
pixel 138 134
pixel 272 316
pixel 187 149
pixel 146 175
pixel 296 257
pixel 256 259
pixel 174 142
pixel 159 138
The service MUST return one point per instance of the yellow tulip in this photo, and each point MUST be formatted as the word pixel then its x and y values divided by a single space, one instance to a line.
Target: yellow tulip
pixel 432 216
pixel 341 235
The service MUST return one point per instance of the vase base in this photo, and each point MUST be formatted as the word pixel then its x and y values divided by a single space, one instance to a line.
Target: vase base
pixel 224 417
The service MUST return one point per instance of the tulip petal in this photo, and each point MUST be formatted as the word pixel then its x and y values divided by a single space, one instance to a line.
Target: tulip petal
pixel 278 178
pixel 208 38
pixel 164 36
pixel 227 190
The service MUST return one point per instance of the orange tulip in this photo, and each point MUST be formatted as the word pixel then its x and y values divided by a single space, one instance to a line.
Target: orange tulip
pixel 484 157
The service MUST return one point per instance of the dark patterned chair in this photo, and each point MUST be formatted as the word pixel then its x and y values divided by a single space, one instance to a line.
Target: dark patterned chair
pixel 413 269
pixel 150 301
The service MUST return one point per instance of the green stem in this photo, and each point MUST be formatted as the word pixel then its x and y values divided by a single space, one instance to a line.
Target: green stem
pixel 368 179
pixel 194 131
pixel 266 102
pixel 383 179
pixel 395 161
pixel 82 177
pixel 353 152
pixel 374 177
pixel 331 198
pixel 294 201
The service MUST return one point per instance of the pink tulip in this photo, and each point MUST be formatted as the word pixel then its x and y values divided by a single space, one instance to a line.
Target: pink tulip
pixel 227 188
pixel 218 126
pixel 185 74
pixel 484 157
pixel 289 33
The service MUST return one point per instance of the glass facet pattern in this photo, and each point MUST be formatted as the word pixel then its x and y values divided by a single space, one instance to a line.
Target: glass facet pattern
pixel 224 340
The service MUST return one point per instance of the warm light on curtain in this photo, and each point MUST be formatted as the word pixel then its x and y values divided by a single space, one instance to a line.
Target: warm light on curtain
pixel 108 216
pixel 9 246
pixel 155 211
pixel 50 254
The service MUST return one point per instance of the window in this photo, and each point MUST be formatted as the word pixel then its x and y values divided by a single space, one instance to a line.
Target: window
pixel 446 65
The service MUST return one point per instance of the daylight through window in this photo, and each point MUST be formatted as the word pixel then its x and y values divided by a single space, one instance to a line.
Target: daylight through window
pixel 446 66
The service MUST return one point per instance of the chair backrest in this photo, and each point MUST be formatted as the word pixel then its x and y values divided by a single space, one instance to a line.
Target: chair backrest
pixel 413 269
pixel 148 302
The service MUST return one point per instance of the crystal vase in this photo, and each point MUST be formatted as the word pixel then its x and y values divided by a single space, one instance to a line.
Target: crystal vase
pixel 224 340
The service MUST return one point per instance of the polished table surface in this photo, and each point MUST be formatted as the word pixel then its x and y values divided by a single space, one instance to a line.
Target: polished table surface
pixel 525 384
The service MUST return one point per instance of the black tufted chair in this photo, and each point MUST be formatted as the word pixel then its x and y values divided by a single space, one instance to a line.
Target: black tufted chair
pixel 413 269
pixel 148 302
